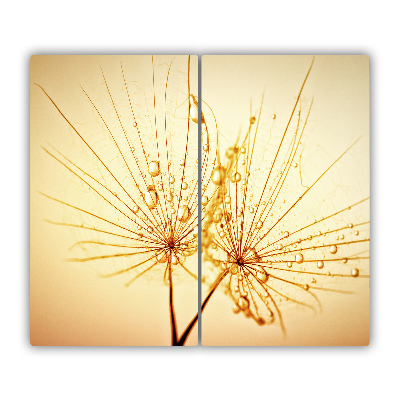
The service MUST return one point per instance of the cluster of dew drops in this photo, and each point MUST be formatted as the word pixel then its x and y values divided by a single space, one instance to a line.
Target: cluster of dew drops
pixel 214 216
pixel 181 248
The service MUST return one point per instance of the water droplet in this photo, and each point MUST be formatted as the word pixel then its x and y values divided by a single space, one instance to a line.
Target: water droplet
pixel 286 234
pixel 350 225
pixel 289 264
pixel 333 249
pixel 344 261
pixel 251 209
pixel 182 162
pixel 183 213
pixel 184 185
pixel 233 269
pixel 171 179
pixel 273 116
pixel 204 200
pixel 169 196
pixel 218 214
pixel 230 152
pixel 218 175
pixel 262 276
pixel 205 147
pixel 154 168
pixel 260 321
pixel 306 287
pixel 151 197
pixel 259 225
pixel 295 165
pixel 356 233
pixel 309 237
pixel 236 177
pixel 280 246
pixel 299 258
pixel 313 280
pixel 320 264
pixel 355 272
pixel 243 150
pixel 342 237
pixel 252 120
pixel 227 199
pixel 235 308
pixel 243 303
pixel 135 208
pixel 159 187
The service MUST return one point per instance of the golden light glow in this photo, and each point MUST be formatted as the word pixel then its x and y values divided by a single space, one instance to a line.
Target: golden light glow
pixel 286 229
pixel 111 198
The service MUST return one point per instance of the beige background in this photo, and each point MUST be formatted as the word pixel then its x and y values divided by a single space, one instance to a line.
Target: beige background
pixel 69 304
pixel 340 115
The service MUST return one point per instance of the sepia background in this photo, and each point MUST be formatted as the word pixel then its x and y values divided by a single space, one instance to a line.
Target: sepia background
pixel 232 86
pixel 69 303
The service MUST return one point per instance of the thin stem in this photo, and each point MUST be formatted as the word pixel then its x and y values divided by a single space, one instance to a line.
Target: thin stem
pixel 171 305
pixel 189 328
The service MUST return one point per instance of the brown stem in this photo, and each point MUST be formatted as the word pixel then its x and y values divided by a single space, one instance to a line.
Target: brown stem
pixel 189 328
pixel 171 306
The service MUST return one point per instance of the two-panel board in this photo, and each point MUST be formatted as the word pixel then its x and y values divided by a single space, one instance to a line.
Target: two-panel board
pixel 280 223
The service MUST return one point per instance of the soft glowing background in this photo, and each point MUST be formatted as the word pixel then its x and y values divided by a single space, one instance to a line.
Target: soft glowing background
pixel 339 116
pixel 69 304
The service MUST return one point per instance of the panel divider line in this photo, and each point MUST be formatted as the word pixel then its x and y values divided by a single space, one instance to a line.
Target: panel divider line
pixel 199 192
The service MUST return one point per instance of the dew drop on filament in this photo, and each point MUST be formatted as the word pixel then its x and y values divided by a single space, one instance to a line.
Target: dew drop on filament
pixel 183 213
pixel 355 272
pixel 243 303
pixel 151 197
pixel 235 308
pixel 154 168
pixel 218 175
pixel 236 177
pixel 262 276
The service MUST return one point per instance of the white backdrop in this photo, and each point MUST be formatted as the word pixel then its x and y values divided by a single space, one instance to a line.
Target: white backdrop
pixel 205 27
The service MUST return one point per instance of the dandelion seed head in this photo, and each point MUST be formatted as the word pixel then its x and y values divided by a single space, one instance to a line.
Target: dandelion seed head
pixel 276 230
